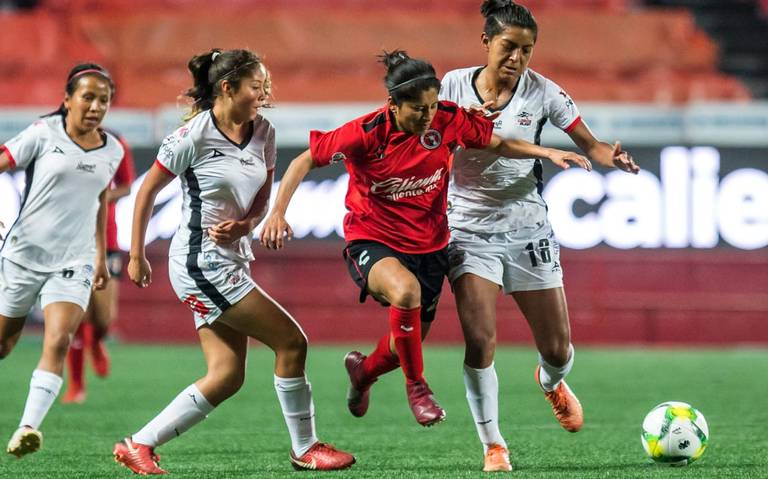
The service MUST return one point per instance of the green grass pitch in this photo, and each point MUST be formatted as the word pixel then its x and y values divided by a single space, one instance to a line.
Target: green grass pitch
pixel 246 436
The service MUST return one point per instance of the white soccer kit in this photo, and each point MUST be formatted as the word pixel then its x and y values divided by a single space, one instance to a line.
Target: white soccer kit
pixel 220 180
pixel 53 237
pixel 496 213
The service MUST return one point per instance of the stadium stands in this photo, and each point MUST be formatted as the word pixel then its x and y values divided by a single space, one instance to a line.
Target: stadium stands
pixel 325 50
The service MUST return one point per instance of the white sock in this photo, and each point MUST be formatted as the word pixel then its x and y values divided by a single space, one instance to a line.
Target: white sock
pixel 550 376
pixel 43 389
pixel 295 396
pixel 482 387
pixel 187 409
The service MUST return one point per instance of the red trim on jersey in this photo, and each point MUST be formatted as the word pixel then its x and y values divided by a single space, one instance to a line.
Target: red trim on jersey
pixel 164 169
pixel 398 181
pixel 573 124
pixel 11 161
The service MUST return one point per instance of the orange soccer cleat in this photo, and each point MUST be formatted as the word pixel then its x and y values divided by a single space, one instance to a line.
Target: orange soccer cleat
pixel 138 458
pixel 322 457
pixel 565 405
pixel 423 403
pixel 497 459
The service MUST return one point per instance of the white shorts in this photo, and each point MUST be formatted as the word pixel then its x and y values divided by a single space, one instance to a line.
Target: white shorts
pixel 524 260
pixel 209 283
pixel 20 287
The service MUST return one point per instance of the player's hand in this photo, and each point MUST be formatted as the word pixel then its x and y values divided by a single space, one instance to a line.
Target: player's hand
pixel 623 160
pixel 229 231
pixel 275 232
pixel 100 276
pixel 139 271
pixel 563 159
pixel 483 111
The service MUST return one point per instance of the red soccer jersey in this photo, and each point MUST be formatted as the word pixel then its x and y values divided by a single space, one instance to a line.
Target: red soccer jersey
pixel 398 181
pixel 123 177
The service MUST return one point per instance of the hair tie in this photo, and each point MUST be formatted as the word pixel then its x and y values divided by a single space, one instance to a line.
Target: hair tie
pixel 213 57
pixel 412 80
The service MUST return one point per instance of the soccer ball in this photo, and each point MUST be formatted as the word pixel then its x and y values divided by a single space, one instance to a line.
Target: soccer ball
pixel 674 433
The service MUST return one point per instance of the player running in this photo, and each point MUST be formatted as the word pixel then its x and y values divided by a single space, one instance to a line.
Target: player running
pixel 225 157
pixel 55 250
pixel 102 308
pixel 501 238
pixel 398 158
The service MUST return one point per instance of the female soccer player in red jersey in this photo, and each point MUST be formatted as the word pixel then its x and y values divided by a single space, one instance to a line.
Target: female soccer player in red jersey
pixel 398 158
pixel 501 238
pixel 225 157
pixel 102 308
pixel 55 251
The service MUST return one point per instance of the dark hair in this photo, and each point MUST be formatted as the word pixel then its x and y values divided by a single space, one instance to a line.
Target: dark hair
pixel 500 14
pixel 211 68
pixel 407 77
pixel 78 71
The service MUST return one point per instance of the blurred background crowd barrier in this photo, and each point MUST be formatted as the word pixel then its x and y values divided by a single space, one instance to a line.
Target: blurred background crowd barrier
pixel 674 255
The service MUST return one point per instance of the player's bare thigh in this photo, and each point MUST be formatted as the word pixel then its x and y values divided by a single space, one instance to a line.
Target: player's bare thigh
pixel 391 282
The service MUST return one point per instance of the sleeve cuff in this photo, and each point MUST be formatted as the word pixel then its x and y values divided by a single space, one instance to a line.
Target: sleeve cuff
pixel 164 169
pixel 573 124
pixel 11 161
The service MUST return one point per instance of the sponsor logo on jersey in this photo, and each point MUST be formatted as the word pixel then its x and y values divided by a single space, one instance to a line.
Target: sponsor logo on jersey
pixel 396 188
pixel 497 124
pixel 216 153
pixel 87 167
pixel 234 277
pixel 524 118
pixel 58 149
pixel 568 101
pixel 364 258
pixel 247 161
pixel 431 139
pixel 337 157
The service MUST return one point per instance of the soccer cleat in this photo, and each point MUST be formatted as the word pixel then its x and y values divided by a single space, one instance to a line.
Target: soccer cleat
pixel 565 405
pixel 138 458
pixel 423 403
pixel 322 457
pixel 497 459
pixel 100 357
pixel 359 391
pixel 25 440
pixel 74 395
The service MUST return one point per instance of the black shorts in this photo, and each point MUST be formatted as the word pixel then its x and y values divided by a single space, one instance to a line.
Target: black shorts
pixel 115 263
pixel 429 268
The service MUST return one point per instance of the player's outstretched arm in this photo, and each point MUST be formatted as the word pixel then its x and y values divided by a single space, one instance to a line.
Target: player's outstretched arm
pixel 603 153
pixel 509 148
pixel 139 270
pixel 101 272
pixel 276 229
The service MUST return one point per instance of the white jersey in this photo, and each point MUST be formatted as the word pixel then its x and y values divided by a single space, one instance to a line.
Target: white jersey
pixel 219 180
pixel 490 193
pixel 56 226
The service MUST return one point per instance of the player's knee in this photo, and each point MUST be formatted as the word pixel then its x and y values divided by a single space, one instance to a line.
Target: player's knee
pixel 405 295
pixel 480 341
pixel 57 344
pixel 555 353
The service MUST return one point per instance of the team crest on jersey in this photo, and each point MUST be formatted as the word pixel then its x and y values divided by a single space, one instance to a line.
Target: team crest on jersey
pixel 431 139
pixel 184 131
pixel 524 118
pixel 247 161
pixel 337 157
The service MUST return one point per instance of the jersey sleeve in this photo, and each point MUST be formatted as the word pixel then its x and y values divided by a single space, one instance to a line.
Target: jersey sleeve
pixel 447 89
pixel 176 152
pixel 27 145
pixel 270 152
pixel 560 108
pixel 344 143
pixel 472 131
pixel 125 171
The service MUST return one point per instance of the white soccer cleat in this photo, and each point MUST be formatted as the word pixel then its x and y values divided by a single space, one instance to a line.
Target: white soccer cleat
pixel 25 440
